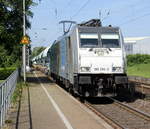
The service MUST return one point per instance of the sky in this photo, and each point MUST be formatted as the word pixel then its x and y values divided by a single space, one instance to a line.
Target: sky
pixel 132 16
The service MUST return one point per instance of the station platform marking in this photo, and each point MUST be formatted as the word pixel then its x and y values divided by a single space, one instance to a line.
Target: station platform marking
pixel 61 115
pixel 97 118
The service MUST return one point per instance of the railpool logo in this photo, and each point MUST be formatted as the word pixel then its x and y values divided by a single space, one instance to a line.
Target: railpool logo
pixel 101 52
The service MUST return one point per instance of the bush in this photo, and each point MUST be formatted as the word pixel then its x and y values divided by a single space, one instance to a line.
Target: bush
pixel 6 72
pixel 9 59
pixel 3 56
pixel 138 59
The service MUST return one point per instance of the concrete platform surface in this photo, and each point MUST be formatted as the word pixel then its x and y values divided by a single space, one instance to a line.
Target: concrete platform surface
pixel 47 106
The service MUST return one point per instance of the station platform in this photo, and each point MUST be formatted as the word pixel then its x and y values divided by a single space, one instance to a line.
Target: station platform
pixel 45 105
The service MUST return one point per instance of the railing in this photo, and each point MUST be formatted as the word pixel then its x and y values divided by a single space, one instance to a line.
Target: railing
pixel 6 90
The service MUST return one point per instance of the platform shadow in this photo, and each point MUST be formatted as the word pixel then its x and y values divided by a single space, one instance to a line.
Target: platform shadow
pixel 99 100
pixel 29 120
pixel 41 79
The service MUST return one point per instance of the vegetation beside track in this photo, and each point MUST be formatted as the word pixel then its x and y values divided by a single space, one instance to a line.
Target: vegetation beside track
pixel 36 51
pixel 138 65
pixel 142 70
pixel 11 30
pixel 5 72
pixel 1 81
pixel 18 92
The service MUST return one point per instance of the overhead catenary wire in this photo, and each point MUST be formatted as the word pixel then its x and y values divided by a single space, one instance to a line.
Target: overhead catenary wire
pixel 107 15
pixel 134 19
pixel 133 5
pixel 65 7
pixel 80 9
pixel 138 10
pixel 125 7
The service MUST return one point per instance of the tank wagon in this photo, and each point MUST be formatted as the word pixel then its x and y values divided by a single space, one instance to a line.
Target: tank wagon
pixel 90 59
pixel 43 60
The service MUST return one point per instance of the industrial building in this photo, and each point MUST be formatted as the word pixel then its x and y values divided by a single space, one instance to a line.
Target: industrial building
pixel 137 45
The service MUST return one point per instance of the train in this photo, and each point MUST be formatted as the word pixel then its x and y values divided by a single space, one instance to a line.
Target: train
pixel 43 60
pixel 89 60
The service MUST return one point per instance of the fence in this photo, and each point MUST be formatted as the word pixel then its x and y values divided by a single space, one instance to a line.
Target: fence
pixel 6 90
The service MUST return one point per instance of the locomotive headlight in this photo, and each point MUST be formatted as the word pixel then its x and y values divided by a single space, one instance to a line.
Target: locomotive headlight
pixel 85 69
pixel 116 69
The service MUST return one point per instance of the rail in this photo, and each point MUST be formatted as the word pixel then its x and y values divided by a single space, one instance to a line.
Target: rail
pixel 132 109
pixel 119 115
pixel 6 90
pixel 110 121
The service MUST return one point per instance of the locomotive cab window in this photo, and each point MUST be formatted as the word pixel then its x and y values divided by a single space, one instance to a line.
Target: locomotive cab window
pixel 88 40
pixel 110 41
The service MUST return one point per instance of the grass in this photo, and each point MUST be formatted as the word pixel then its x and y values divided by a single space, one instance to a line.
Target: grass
pixel 18 92
pixel 1 81
pixel 142 70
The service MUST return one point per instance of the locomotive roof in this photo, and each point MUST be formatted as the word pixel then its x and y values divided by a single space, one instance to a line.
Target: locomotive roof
pixel 88 29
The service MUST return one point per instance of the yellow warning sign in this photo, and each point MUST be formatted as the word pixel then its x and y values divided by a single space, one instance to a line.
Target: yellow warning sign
pixel 25 40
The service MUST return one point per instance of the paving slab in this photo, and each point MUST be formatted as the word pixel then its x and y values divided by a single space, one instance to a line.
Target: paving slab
pixel 77 114
pixel 44 105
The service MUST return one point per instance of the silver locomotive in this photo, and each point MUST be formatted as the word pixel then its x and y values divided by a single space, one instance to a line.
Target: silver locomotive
pixel 90 59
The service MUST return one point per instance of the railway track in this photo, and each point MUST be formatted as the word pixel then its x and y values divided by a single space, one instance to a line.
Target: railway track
pixel 144 89
pixel 119 115
pixel 141 87
pixel 140 80
pixel 142 84
pixel 142 105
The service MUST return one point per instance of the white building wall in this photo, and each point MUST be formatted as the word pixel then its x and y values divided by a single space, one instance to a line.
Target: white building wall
pixel 142 47
pixel 129 48
pixel 137 45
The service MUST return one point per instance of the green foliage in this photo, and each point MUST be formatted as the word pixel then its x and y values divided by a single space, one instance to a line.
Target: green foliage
pixel 1 81
pixel 17 93
pixel 138 59
pixel 9 60
pixel 6 72
pixel 36 51
pixel 11 21
pixel 3 56
pixel 142 70
pixel 138 65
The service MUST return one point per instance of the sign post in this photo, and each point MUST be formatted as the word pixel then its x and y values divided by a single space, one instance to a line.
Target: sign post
pixel 24 46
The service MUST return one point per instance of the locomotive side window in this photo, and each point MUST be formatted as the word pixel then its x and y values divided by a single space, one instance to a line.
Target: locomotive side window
pixel 110 41
pixel 89 39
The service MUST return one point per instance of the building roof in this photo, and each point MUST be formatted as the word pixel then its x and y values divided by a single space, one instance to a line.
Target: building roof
pixel 134 39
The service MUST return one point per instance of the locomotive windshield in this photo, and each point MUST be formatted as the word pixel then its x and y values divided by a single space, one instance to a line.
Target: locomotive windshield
pixel 89 39
pixel 110 40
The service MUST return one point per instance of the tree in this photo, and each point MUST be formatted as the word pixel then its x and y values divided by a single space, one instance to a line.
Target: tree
pixel 3 58
pixel 11 21
pixel 36 51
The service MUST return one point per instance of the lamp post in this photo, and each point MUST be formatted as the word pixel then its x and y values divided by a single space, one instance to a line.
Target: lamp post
pixel 24 46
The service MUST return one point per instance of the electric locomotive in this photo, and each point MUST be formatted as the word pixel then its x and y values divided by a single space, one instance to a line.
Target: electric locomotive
pixel 90 59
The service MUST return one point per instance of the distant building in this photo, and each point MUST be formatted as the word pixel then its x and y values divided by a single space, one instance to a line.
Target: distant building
pixel 137 45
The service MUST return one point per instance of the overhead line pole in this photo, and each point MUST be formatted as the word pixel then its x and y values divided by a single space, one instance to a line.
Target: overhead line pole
pixel 24 46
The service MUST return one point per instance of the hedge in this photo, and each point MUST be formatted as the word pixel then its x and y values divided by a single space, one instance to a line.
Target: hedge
pixel 138 59
pixel 6 72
